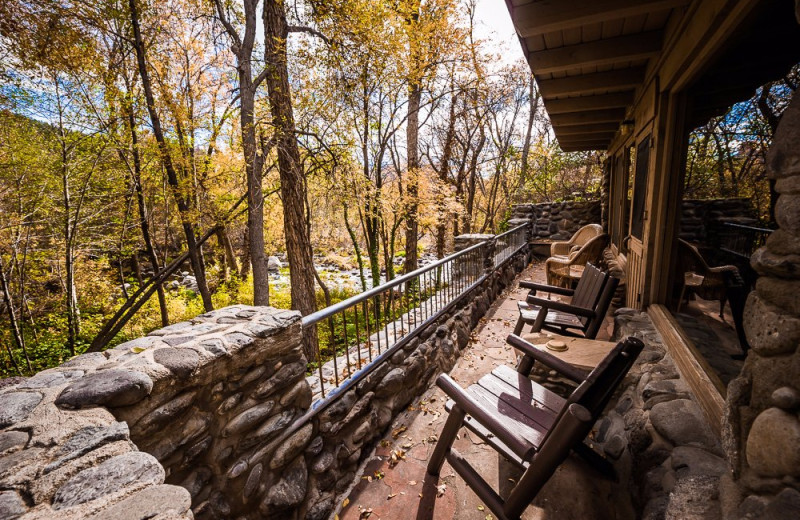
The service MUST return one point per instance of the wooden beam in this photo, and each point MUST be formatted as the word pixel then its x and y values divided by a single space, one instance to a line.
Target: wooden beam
pixel 584 137
pixel 601 52
pixel 574 142
pixel 583 147
pixel 597 128
pixel 706 386
pixel 623 79
pixel 599 102
pixel 611 115
pixel 546 16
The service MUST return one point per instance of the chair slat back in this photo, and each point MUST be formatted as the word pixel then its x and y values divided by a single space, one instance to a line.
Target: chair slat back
pixel 592 327
pixel 598 387
pixel 589 289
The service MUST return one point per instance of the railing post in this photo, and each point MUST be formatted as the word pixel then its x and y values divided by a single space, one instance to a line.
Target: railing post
pixel 488 259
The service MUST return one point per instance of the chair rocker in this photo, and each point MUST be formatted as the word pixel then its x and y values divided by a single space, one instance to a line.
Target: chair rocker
pixel 591 299
pixel 527 424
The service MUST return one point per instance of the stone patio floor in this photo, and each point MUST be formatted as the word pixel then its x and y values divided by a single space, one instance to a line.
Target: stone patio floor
pixel 392 484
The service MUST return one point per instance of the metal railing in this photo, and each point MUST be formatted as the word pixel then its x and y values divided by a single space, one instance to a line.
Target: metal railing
pixel 741 240
pixel 508 243
pixel 358 334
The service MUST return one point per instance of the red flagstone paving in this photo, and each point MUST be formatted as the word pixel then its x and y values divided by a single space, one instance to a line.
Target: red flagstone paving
pixel 397 489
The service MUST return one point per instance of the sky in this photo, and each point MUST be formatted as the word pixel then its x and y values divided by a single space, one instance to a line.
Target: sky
pixel 494 24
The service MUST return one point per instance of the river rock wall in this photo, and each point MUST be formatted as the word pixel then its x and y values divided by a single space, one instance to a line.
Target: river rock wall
pixel 195 405
pixel 558 220
pixel 699 218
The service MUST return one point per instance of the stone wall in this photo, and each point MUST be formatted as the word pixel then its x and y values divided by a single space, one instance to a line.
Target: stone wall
pixel 202 400
pixel 761 428
pixel 700 218
pixel 559 220
pixel 202 419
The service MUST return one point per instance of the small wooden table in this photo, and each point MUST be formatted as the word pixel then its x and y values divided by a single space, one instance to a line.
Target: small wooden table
pixel 581 352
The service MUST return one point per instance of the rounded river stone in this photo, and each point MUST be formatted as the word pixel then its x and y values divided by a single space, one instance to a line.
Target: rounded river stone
pixel 16 406
pixel 111 476
pixel 773 444
pixel 108 387
pixel 180 361
pixel 148 503
pixel 11 505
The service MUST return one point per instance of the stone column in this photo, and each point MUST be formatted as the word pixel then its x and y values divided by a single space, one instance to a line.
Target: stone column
pixel 761 431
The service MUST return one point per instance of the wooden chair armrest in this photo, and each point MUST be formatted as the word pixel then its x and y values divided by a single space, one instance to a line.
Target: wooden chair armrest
pixel 464 401
pixel 555 305
pixel 562 367
pixel 722 269
pixel 546 288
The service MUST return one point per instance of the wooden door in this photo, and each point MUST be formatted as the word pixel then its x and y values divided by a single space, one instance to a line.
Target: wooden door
pixel 638 214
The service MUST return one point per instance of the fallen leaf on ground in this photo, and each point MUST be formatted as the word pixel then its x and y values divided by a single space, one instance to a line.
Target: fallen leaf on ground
pixel 391 496
pixel 346 501
pixel 397 456
pixel 441 489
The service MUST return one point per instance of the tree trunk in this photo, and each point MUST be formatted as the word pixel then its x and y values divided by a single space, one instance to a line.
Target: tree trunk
pixel 166 159
pixel 255 197
pixel 16 333
pixel 227 247
pixel 293 188
pixel 144 223
pixel 70 297
pixel 526 145
pixel 357 249
pixel 444 174
pixel 412 144
pixel 244 258
pixel 473 177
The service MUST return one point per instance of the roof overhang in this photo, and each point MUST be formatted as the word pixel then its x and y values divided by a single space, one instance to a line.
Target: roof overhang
pixel 589 57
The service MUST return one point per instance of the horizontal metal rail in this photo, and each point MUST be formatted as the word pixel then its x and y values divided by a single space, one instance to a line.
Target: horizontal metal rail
pixel 739 239
pixel 358 298
pixel 509 243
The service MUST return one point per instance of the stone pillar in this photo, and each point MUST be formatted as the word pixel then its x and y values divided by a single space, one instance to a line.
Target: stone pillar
pixel 761 431
pixel 462 242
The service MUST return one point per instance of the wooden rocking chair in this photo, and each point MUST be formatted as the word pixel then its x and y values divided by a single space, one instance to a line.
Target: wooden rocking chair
pixel 591 299
pixel 527 424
